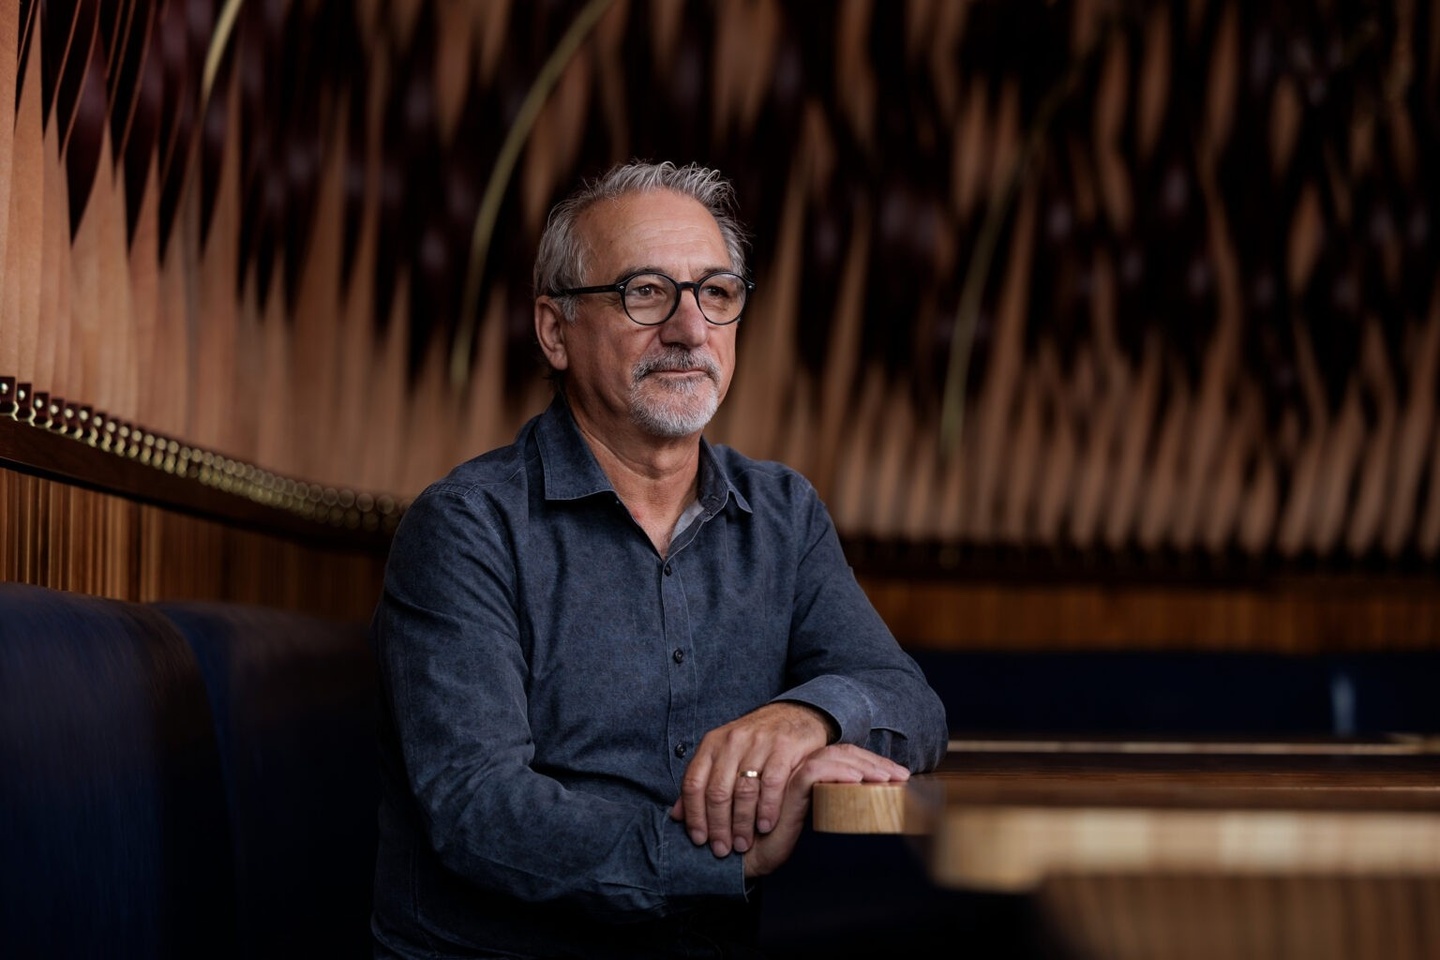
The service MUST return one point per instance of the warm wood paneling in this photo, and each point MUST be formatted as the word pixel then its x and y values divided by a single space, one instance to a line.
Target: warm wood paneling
pixel 67 537
pixel 1285 615
pixel 1132 277
pixel 1163 272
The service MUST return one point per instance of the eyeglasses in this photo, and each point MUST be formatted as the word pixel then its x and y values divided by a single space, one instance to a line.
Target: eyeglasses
pixel 652 298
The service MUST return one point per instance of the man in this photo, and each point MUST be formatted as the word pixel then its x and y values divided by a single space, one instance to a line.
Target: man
pixel 614 657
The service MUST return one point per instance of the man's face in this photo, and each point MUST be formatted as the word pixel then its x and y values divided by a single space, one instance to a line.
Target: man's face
pixel 666 380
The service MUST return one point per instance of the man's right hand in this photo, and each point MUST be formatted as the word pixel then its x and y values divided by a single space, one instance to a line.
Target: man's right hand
pixel 838 763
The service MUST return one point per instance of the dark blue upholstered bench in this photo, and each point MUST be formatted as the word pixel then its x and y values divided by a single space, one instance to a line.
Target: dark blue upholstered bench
pixel 183 780
pixel 294 700
pixel 113 822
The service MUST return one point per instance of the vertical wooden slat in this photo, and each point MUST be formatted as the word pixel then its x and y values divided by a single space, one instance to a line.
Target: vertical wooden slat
pixel 765 349
pixel 314 334
pixel 20 293
pixel 224 399
pixel 990 427
pixel 53 336
pixel 1096 449
pixel 9 69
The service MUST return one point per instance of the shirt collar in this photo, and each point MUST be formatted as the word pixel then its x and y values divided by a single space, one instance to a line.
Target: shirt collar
pixel 572 472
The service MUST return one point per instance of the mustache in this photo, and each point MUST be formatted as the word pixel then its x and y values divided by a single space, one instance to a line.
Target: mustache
pixel 678 359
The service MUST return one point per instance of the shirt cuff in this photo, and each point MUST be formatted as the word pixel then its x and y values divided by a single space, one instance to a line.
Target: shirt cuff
pixel 694 871
pixel 843 700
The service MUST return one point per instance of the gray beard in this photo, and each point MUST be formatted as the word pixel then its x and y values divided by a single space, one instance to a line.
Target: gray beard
pixel 682 409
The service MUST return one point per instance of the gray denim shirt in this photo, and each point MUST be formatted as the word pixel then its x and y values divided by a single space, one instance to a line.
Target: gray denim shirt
pixel 546 675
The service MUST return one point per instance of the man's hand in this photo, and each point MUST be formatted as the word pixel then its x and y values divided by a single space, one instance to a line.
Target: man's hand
pixel 718 802
pixel 841 763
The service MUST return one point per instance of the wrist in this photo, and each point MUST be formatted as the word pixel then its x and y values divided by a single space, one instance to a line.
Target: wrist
pixel 829 729
pixel 832 729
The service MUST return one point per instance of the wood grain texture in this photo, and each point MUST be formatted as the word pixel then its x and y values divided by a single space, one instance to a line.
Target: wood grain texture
pixel 71 538
pixel 1005 815
pixel 1178 340
pixel 1295 614
pixel 1213 917
pixel 1017 848
pixel 1171 331
pixel 861 808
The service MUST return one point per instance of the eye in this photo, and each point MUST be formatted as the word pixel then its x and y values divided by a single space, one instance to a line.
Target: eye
pixel 720 289
pixel 647 288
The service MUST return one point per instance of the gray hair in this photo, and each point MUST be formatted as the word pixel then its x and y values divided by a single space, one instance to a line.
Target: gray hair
pixel 560 261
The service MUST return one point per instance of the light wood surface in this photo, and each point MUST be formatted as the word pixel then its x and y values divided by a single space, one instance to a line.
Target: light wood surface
pixel 1018 848
pixel 861 808
pixel 1154 850
pixel 1007 814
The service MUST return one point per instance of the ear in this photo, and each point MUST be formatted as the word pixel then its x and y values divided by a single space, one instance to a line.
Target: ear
pixel 550 330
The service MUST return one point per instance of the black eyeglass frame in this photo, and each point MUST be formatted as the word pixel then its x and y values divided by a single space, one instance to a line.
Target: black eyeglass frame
pixel 680 287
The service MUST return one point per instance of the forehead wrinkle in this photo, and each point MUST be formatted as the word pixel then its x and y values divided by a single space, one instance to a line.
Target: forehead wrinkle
pixel 644 225
pixel 651 268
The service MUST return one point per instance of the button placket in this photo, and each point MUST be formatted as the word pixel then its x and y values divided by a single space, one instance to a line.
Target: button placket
pixel 677 646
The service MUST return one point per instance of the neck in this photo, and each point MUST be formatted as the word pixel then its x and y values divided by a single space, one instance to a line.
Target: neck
pixel 655 477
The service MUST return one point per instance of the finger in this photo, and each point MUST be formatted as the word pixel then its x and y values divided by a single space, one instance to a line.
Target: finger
pixel 773 783
pixel 692 797
pixel 827 767
pixel 747 797
pixel 777 767
pixel 719 808
pixel 883 768
pixel 868 765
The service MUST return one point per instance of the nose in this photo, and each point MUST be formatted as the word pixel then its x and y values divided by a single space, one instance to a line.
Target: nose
pixel 687 326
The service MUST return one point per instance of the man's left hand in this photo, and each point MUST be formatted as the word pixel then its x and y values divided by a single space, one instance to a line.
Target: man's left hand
pixel 736 781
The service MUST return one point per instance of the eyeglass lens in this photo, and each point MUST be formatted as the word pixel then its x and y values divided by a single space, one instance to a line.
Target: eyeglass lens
pixel 651 298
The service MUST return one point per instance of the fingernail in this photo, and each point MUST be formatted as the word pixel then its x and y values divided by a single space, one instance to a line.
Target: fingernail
pixel 697 837
pixel 719 848
pixel 740 845
pixel 763 826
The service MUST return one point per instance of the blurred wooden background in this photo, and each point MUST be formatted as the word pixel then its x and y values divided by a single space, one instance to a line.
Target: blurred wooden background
pixel 1095 323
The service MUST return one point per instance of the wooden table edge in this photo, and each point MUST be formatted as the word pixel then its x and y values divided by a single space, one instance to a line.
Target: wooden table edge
pixel 1017 848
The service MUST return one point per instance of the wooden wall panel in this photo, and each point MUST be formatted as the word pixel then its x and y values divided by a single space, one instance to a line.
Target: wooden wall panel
pixel 1070 280
pixel 1116 276
pixel 1293 615
pixel 67 537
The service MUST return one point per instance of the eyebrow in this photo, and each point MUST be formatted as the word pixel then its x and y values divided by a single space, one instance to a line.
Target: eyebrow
pixel 650 268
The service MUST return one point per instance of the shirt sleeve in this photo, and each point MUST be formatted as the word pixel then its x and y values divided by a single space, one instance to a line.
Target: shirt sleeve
pixel 448 640
pixel 845 661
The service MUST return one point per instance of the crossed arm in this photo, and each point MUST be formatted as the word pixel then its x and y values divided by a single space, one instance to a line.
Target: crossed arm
pixel 789 744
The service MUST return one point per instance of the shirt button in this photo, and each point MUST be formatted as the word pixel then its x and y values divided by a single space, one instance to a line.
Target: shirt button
pixel 667 570
pixel 680 750
pixel 678 656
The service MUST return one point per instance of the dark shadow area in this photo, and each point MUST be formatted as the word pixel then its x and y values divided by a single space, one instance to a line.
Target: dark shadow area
pixel 849 896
